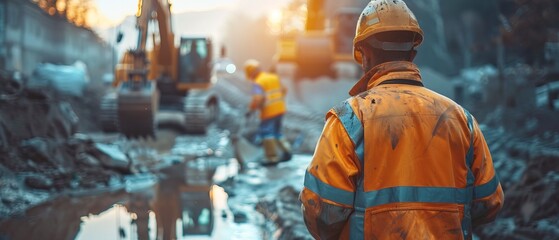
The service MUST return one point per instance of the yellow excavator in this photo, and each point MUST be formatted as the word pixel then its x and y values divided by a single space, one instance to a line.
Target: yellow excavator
pixel 165 76
pixel 327 40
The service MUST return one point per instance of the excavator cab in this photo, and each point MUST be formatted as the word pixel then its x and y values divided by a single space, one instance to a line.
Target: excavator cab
pixel 195 58
pixel 194 72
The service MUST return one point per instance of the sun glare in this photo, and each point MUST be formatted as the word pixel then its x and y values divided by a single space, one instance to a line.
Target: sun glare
pixel 275 21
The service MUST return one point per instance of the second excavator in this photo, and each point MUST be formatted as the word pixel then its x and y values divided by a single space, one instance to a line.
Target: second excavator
pixel 161 76
pixel 325 46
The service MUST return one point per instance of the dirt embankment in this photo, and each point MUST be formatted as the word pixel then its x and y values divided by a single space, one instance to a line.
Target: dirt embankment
pixel 528 168
pixel 40 153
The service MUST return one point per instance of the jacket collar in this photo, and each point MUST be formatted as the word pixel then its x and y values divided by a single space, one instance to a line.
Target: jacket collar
pixel 386 71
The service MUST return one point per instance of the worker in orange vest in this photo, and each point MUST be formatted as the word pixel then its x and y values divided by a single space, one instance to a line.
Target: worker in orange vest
pixel 268 96
pixel 397 160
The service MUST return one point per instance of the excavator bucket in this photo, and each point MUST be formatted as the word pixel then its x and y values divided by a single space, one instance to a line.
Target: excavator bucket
pixel 137 105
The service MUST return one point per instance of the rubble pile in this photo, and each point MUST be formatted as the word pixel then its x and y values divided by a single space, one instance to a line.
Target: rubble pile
pixel 30 113
pixel 39 150
pixel 284 212
pixel 529 172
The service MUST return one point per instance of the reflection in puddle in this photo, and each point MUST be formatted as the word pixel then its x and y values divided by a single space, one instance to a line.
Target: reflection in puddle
pixel 198 220
pixel 195 215
pixel 115 223
pixel 185 204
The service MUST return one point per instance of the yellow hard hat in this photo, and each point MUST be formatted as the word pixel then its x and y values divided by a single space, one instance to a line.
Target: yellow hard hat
pixel 251 66
pixel 381 16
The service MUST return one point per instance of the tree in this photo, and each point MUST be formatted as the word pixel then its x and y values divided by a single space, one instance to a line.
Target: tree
pixel 75 11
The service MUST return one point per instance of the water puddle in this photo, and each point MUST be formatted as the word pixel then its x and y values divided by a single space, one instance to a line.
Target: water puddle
pixel 199 215
pixel 184 204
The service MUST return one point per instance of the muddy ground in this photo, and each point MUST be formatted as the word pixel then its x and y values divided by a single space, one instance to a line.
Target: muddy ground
pixel 51 147
pixel 529 172
pixel 41 153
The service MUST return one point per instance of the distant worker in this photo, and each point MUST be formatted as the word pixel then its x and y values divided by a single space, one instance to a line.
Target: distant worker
pixel 397 160
pixel 268 96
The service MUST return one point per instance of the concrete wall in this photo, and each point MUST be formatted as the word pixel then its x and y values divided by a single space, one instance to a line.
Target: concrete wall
pixel 3 51
pixel 32 37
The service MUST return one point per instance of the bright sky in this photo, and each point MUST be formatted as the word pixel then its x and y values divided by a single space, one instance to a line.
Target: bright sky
pixel 113 11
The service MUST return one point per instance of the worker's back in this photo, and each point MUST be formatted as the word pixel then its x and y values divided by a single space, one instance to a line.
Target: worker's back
pixel 413 138
pixel 399 160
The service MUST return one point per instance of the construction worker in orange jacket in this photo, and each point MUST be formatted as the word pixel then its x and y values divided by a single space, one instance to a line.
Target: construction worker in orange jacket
pixel 268 97
pixel 397 160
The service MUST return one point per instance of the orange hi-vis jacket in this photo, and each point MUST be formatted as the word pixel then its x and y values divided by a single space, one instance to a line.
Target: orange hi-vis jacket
pixel 399 161
pixel 270 100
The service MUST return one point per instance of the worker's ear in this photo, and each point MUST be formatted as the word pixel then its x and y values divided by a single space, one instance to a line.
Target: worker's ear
pixel 413 53
pixel 367 62
pixel 364 61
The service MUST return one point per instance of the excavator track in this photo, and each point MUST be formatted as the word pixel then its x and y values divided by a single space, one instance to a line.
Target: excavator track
pixel 109 113
pixel 137 105
pixel 201 109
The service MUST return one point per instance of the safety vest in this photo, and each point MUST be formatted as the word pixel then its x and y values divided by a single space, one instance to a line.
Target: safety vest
pixel 398 161
pixel 274 104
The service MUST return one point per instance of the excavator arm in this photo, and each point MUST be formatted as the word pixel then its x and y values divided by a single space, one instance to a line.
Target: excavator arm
pixel 315 15
pixel 160 11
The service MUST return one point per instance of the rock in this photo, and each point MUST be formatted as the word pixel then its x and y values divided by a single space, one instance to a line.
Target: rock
pixel 88 160
pixel 112 151
pixel 49 152
pixel 9 198
pixel 39 182
pixel 81 138
pixel 37 149
pixel 69 115
pixel 284 210
pixel 112 157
